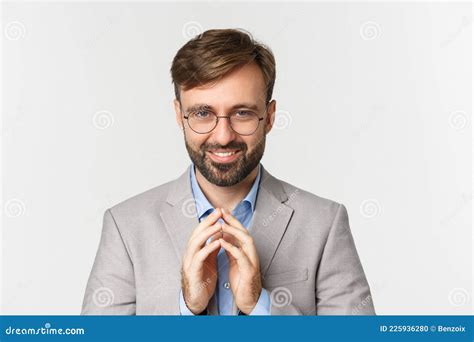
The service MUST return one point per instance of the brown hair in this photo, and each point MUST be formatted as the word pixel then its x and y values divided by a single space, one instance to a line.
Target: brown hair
pixel 215 53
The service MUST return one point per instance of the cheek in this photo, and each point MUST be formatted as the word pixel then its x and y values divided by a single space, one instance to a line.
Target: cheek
pixel 194 139
pixel 254 141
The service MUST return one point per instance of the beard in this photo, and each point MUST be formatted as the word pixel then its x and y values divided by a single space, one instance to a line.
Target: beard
pixel 226 174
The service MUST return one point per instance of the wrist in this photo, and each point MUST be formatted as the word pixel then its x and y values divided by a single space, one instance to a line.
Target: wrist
pixel 246 311
pixel 255 293
pixel 196 309
pixel 263 306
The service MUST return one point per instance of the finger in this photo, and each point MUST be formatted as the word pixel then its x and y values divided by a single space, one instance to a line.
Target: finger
pixel 216 236
pixel 245 241
pixel 196 243
pixel 202 255
pixel 241 236
pixel 207 222
pixel 232 220
pixel 236 253
pixel 231 239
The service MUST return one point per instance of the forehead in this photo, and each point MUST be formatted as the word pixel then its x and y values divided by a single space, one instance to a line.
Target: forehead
pixel 243 85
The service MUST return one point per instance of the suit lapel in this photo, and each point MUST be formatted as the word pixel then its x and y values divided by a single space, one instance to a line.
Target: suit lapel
pixel 180 217
pixel 270 219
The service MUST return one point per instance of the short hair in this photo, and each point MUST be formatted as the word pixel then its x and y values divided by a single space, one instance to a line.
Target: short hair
pixel 215 53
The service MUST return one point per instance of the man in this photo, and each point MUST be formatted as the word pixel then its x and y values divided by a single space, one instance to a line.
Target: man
pixel 226 237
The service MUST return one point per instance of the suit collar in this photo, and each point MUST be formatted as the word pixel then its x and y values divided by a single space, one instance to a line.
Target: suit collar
pixel 202 203
pixel 181 187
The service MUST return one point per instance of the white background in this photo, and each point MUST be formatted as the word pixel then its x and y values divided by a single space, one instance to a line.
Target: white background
pixel 374 111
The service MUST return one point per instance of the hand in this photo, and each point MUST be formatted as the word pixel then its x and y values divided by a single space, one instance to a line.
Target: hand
pixel 199 270
pixel 244 265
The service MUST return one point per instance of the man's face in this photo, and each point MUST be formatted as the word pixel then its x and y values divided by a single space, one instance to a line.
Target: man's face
pixel 240 90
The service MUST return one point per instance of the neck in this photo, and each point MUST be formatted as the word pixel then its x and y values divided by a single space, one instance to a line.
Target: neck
pixel 226 197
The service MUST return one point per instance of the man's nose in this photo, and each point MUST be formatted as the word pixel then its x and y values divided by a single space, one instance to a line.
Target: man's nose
pixel 223 133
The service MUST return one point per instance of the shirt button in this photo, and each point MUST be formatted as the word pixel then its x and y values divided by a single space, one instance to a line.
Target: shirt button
pixel 227 285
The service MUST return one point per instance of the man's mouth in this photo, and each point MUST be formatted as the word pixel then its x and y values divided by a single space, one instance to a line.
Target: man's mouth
pixel 223 156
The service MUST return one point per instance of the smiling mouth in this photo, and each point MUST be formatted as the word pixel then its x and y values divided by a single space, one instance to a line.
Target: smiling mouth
pixel 223 156
pixel 224 153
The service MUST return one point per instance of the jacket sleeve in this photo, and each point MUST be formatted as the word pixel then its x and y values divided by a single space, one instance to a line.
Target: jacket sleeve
pixel 341 285
pixel 111 286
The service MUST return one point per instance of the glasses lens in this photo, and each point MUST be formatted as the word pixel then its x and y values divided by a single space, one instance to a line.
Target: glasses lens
pixel 244 122
pixel 202 121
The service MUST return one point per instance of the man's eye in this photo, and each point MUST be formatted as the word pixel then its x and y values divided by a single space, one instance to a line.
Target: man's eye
pixel 243 114
pixel 202 114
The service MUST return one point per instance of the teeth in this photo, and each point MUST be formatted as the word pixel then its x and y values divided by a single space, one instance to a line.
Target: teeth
pixel 223 154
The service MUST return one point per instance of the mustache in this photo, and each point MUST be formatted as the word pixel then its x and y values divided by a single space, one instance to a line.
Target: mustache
pixel 233 145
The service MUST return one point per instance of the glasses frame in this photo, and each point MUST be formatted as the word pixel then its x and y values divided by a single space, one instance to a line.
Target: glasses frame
pixel 230 123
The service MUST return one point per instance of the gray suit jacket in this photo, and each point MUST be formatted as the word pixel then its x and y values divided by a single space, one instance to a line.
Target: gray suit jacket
pixel 308 259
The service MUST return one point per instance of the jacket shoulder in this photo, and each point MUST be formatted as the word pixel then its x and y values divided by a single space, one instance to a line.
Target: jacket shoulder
pixel 299 198
pixel 322 212
pixel 147 200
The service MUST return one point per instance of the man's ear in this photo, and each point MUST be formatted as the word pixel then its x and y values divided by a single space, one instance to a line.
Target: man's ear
pixel 270 117
pixel 179 117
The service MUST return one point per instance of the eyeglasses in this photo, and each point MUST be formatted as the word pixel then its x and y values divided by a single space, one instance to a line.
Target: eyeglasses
pixel 243 122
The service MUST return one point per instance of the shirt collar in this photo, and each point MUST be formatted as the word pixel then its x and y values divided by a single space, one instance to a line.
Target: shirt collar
pixel 203 205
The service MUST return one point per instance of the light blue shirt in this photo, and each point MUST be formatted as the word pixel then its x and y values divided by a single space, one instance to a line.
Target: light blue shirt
pixel 244 213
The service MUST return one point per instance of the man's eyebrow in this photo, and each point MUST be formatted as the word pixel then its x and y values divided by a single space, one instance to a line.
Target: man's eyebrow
pixel 197 107
pixel 245 105
pixel 203 106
